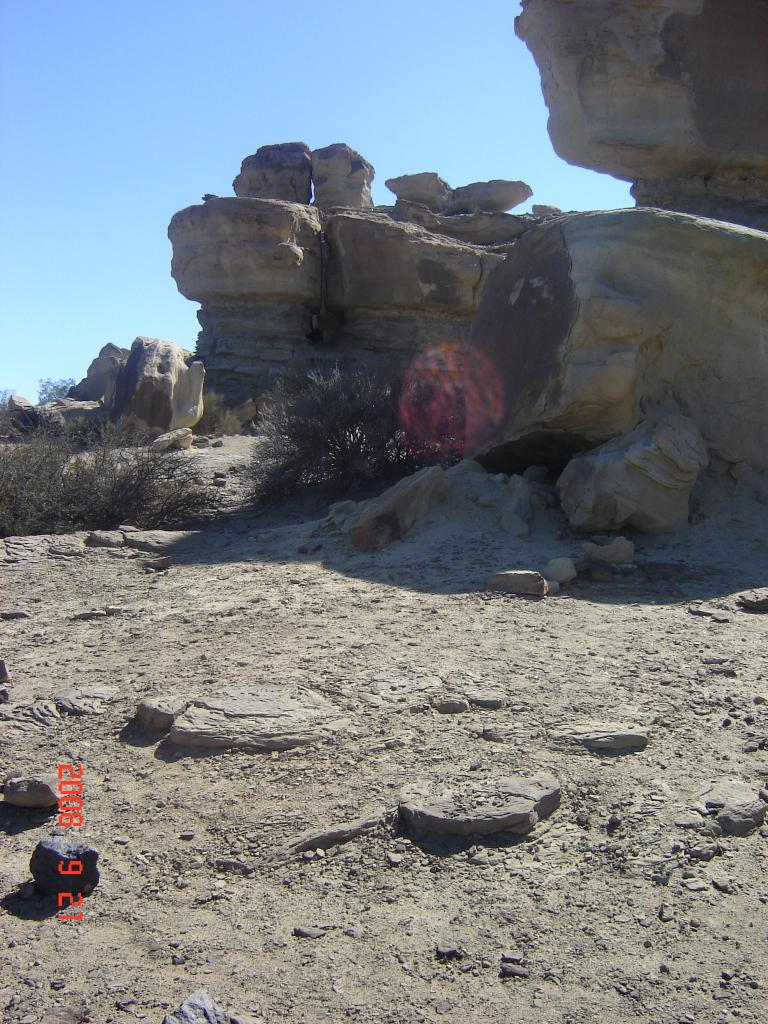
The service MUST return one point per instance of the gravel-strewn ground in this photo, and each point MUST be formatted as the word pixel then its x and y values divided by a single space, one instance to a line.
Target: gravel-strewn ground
pixel 610 905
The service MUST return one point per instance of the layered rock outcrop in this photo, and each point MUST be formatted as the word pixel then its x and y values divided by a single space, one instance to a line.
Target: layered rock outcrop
pixel 597 321
pixel 282 281
pixel 668 94
pixel 277 172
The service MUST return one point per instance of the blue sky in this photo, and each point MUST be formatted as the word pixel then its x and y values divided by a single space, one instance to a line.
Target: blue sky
pixel 115 115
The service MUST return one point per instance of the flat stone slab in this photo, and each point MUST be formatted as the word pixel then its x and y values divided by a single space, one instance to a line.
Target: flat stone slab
pixel 754 600
pixel 257 718
pixel 513 804
pixel 608 736
pixel 736 807
pixel 83 700
pixel 524 582
pixel 156 541
pixel 105 539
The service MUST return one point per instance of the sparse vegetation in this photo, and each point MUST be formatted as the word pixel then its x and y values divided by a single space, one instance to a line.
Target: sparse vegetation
pixel 218 418
pixel 340 428
pixel 48 390
pixel 48 485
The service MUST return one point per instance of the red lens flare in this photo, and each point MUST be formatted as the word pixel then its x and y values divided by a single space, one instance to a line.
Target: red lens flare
pixel 452 400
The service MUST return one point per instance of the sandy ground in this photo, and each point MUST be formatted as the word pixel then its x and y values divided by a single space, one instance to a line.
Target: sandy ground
pixel 608 904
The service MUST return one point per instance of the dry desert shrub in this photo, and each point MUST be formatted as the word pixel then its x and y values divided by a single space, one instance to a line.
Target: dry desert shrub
pixel 49 485
pixel 340 428
pixel 218 418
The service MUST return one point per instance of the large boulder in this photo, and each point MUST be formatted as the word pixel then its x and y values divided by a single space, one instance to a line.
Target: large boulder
pixel 101 378
pixel 643 479
pixel 341 177
pixel 668 94
pixel 281 172
pixel 595 322
pixel 160 385
pixel 496 196
pixel 426 188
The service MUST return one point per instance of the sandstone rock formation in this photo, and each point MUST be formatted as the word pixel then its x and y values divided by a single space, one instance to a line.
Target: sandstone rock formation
pixel 397 286
pixel 426 188
pixel 668 94
pixel 273 293
pixel 341 177
pixel 495 196
pixel 643 479
pixel 595 322
pixel 160 385
pixel 478 228
pixel 281 172
pixel 101 379
pixel 259 718
pixel 393 513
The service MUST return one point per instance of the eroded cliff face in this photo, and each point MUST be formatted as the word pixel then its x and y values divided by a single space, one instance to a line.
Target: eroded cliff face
pixel 668 94
pixel 282 281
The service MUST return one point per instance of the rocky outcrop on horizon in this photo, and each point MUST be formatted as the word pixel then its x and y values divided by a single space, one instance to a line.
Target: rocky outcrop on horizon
pixel 282 281
pixel 667 94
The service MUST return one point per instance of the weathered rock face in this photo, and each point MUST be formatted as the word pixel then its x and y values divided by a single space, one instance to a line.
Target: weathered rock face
pixel 595 322
pixel 495 196
pixel 280 172
pixel 101 378
pixel 643 479
pixel 341 177
pixel 426 188
pixel 160 385
pixel 255 265
pixel 479 228
pixel 272 292
pixel 669 94
pixel 396 285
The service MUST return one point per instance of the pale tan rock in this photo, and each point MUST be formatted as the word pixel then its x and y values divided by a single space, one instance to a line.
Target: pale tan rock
pixel 174 439
pixel 642 480
pixel 478 228
pixel 160 386
pixel 616 552
pixel 155 541
pixel 737 807
pixel 31 791
pixel 525 582
pixel 544 211
pixel 341 177
pixel 426 188
pixel 392 514
pixel 157 711
pixel 513 804
pixel 605 736
pixel 105 539
pixel 594 321
pixel 101 378
pixel 257 718
pixel 496 196
pixel 282 171
pixel 560 570
pixel 669 94
pixel 399 288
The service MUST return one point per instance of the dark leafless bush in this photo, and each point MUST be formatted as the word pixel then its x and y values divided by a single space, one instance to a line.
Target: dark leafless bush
pixel 339 428
pixel 49 485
